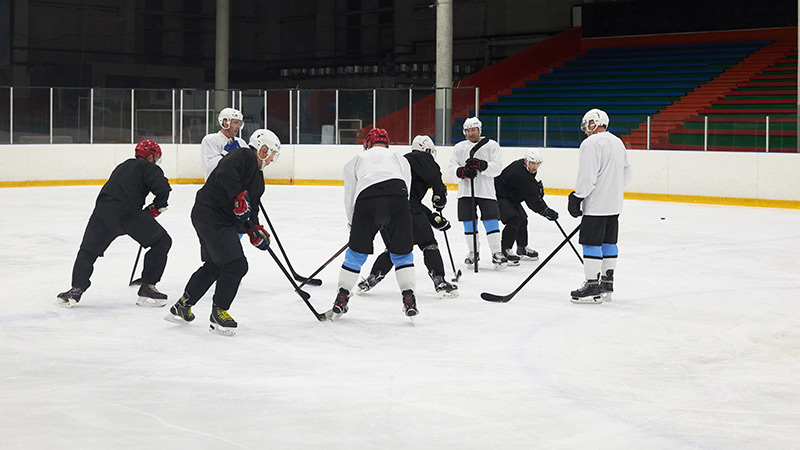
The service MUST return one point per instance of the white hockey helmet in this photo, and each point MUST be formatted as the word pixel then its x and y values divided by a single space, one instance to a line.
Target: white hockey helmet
pixel 265 138
pixel 472 122
pixel 230 114
pixel 424 143
pixel 599 117
pixel 533 155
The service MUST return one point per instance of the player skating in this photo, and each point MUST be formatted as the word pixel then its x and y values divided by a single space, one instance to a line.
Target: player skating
pixel 603 172
pixel 224 205
pixel 425 174
pixel 118 211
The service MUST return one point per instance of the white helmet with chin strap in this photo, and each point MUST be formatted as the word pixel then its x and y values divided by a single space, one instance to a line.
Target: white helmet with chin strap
pixel 424 143
pixel 265 138
pixel 533 155
pixel 472 122
pixel 596 116
pixel 230 114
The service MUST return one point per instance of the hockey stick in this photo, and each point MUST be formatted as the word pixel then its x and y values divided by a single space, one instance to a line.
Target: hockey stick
pixel 309 280
pixel 303 294
pixel 456 273
pixel 339 252
pixel 135 265
pixel 472 151
pixel 505 298
pixel 563 233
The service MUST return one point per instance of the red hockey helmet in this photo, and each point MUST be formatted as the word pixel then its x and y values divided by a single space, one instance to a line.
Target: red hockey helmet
pixel 146 148
pixel 375 136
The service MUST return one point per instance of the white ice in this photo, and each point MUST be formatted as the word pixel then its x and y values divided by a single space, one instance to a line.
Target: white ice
pixel 699 349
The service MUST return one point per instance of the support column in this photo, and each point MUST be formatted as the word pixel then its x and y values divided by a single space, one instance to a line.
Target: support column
pixel 222 55
pixel 444 70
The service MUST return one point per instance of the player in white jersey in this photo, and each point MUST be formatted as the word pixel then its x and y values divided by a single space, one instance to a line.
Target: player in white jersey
pixel 476 162
pixel 377 183
pixel 603 172
pixel 216 145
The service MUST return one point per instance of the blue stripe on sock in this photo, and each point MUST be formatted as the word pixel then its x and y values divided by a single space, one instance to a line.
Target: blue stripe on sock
pixel 593 251
pixel 491 225
pixel 610 250
pixel 468 228
pixel 401 261
pixel 354 260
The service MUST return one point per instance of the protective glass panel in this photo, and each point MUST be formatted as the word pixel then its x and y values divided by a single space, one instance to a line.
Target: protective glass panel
pixel 355 115
pixel 71 115
pixel 31 115
pixel 317 116
pixel 194 125
pixel 153 115
pixel 278 120
pixel 112 115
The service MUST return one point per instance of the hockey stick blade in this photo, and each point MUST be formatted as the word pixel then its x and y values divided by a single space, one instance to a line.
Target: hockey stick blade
pixel 504 299
pixel 495 298
pixel 305 280
pixel 136 282
pixel 458 276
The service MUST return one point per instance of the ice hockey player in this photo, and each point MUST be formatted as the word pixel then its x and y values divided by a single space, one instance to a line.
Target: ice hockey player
pixel 478 160
pixel 216 145
pixel 118 211
pixel 376 188
pixel 224 205
pixel 603 172
pixel 425 174
pixel 517 183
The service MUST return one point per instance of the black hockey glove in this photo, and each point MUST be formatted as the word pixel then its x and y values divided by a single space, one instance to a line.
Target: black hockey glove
pixel 574 205
pixel 477 164
pixel 241 206
pixel 466 172
pixel 549 214
pixel 438 201
pixel 259 237
pixel 541 189
pixel 439 222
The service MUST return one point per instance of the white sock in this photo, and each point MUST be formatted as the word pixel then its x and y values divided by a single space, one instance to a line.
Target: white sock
pixel 591 267
pixel 347 279
pixel 494 242
pixel 406 278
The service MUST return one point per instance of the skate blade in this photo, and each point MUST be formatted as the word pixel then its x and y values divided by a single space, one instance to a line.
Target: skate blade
pixel 513 264
pixel 151 302
pixel 174 319
pixel 66 303
pixel 528 258
pixel 445 294
pixel 606 296
pixel 500 267
pixel 220 330
pixel 587 300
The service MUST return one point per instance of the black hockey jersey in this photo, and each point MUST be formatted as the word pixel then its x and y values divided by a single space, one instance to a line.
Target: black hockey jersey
pixel 517 184
pixel 236 172
pixel 425 174
pixel 133 180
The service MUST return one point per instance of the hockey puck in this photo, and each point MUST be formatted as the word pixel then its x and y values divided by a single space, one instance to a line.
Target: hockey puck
pixel 663 218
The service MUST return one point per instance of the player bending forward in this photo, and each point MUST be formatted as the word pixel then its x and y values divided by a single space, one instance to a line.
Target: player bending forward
pixel 425 174
pixel 376 186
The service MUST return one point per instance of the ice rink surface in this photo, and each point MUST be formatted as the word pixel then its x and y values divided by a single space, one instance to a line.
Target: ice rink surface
pixel 700 348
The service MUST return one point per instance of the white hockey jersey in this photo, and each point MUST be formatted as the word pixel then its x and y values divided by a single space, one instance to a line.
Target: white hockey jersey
pixel 370 167
pixel 212 149
pixel 484 182
pixel 603 172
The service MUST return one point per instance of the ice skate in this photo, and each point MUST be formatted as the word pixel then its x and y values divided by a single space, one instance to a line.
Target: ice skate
pixel 527 254
pixel 69 298
pixel 180 312
pixel 607 285
pixel 470 260
pixel 150 296
pixel 500 262
pixel 410 304
pixel 367 284
pixel 513 260
pixel 588 293
pixel 444 288
pixel 222 322
pixel 340 304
